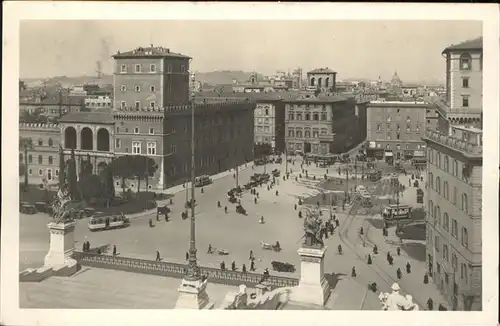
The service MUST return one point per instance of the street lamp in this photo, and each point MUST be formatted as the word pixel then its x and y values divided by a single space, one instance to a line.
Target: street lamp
pixel 193 271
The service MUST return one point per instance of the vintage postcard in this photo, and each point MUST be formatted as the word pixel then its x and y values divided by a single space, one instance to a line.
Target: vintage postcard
pixel 159 158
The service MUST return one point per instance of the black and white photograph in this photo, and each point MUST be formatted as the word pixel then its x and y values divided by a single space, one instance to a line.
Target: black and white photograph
pixel 249 163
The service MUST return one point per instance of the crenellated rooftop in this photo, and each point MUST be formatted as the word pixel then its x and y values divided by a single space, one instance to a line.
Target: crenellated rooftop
pixel 466 148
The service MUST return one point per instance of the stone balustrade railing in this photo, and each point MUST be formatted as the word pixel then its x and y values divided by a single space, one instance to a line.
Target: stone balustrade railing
pixel 454 143
pixel 176 270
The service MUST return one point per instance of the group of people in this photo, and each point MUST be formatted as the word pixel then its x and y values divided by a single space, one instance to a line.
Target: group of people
pixel 243 267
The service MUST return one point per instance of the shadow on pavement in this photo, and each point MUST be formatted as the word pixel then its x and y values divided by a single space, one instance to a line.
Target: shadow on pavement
pixel 376 223
pixel 415 250
pixel 333 279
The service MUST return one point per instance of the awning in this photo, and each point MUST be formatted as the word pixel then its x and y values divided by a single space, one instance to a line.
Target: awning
pixel 389 154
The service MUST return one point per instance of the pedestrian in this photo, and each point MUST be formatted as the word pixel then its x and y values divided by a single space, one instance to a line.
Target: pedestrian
pixel 255 200
pixel 218 203
pixel 276 192
pixel 244 268
pixel 222 265
pixel 388 256
pixel 408 268
pixel 369 262
pixel 158 255
pixel 426 279
pixel 88 245
pixel 233 265
pixel 361 232
pixel 295 206
pixel 225 209
pixel 209 251
pixel 399 274
pixel 398 250
pixel 441 307
pixel 339 248
pixel 353 271
pixel 252 266
pixel 375 249
pixel 251 255
pixel 337 223
pixel 430 304
pixel 187 255
pixel 300 214
pixel 84 246
pixel 114 250
pixel 391 260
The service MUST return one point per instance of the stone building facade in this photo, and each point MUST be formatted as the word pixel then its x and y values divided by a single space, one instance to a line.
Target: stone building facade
pixel 395 129
pixel 322 125
pixel 323 79
pixel 454 214
pixel 269 123
pixel 43 158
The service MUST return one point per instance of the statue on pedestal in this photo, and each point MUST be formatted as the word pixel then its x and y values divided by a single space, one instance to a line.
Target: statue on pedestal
pixel 60 210
pixel 313 227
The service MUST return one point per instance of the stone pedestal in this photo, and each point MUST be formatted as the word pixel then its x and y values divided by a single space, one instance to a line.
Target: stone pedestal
pixel 62 246
pixel 313 287
pixel 193 295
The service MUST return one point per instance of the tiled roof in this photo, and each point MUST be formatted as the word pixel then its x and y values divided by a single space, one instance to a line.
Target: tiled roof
pixel 321 70
pixel 151 51
pixel 65 101
pixel 475 44
pixel 88 117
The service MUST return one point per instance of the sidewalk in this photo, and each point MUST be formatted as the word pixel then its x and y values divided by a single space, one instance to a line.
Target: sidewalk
pixel 410 283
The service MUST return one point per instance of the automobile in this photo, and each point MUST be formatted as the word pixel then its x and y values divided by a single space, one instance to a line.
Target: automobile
pixel 276 173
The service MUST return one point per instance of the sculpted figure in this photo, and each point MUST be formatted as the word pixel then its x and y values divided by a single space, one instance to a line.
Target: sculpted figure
pixel 60 210
pixel 313 228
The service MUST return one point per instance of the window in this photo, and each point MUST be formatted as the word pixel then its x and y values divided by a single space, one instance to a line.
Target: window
pixel 307 133
pixel 152 68
pixel 30 158
pixel 151 148
pixel 445 252
pixel 290 133
pixel 152 89
pixel 438 185
pixel 152 104
pixel 169 68
pixel 465 101
pixel 299 116
pixel 137 68
pixel 136 130
pixel 316 117
pixel 446 166
pixel 465 238
pixel 446 190
pixel 123 104
pixel 267 111
pixel 136 147
pixel 465 82
pixel 57 172
pixel 173 148
pixel 40 142
pixel 183 69
pixel 389 119
pixel 454 261
pixel 446 222
pixel 379 127
pixel 308 117
pixel 455 167
pixel 51 161
pixel 30 172
pixel 117 143
pixel 137 105
pixel 123 68
pixel 431 180
pixel 123 88
pixel 465 206
pixel 40 172
pixel 151 131
pixel 290 116
pixel 436 243
pixel 454 228
pixel 465 61
pixel 40 159
pixel 137 88
pixel 51 142
pixel 323 116
pixel 298 133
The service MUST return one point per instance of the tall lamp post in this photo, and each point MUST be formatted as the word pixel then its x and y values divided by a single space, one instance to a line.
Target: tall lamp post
pixel 193 269
pixel 192 292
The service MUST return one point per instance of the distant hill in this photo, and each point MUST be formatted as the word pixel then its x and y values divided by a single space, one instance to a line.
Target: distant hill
pixel 211 78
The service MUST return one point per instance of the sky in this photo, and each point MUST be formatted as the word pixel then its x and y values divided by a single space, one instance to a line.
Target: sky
pixel 355 49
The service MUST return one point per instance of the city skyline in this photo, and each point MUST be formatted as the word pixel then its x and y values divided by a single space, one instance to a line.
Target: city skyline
pixel 402 43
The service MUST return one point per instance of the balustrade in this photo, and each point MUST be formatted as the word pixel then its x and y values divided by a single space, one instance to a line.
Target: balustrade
pixel 454 143
pixel 178 270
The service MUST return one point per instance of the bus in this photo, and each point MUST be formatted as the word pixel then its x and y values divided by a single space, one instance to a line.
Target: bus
pixel 374 175
pixel 396 212
pixel 202 181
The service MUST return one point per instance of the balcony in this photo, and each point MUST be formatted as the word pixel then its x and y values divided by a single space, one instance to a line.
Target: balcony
pixel 467 149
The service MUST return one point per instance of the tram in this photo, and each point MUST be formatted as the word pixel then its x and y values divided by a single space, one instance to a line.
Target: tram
pixel 364 196
pixel 101 222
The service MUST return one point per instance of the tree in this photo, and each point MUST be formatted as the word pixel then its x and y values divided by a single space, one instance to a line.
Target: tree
pixel 262 150
pixel 108 191
pixel 143 167
pixel 91 187
pixel 86 168
pixel 62 168
pixel 72 180
pixel 26 145
pixel 122 168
